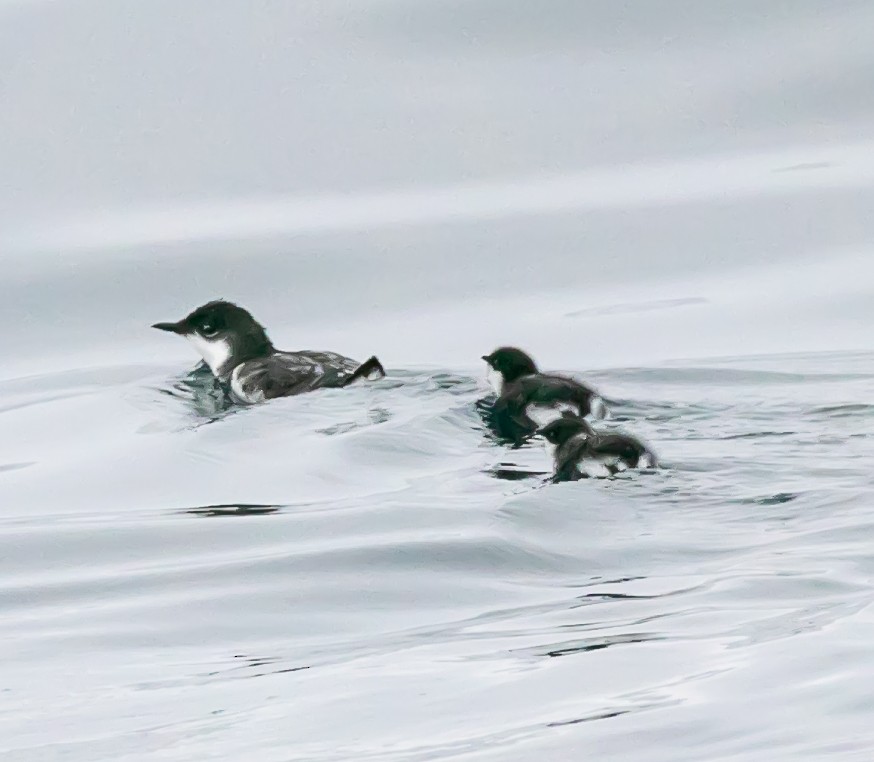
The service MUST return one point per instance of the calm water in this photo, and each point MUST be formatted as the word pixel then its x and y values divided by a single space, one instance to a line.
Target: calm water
pixel 673 203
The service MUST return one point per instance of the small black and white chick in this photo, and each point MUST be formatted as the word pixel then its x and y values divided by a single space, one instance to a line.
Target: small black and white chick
pixel 236 348
pixel 530 399
pixel 580 452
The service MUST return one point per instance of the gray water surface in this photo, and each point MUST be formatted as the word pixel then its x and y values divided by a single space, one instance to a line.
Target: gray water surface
pixel 671 201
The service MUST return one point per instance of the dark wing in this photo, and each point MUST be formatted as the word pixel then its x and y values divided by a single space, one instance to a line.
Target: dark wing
pixel 331 362
pixel 619 445
pixel 545 390
pixel 286 373
pixel 548 389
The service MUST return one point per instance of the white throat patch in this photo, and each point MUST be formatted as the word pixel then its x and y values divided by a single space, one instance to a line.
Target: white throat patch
pixel 215 353
pixel 495 379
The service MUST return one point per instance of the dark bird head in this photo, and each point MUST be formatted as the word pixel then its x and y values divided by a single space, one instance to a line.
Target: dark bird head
pixel 560 430
pixel 224 334
pixel 511 363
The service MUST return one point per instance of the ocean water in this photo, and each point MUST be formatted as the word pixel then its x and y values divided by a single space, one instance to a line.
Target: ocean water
pixel 671 201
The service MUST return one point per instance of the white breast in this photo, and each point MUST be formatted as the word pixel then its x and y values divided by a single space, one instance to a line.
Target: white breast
pixel 596 467
pixel 598 408
pixel 214 353
pixel 495 380
pixel 646 461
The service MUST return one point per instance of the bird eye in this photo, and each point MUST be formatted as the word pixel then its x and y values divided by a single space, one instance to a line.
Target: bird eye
pixel 208 329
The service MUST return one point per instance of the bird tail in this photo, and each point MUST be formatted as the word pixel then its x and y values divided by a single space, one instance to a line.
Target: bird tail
pixel 371 369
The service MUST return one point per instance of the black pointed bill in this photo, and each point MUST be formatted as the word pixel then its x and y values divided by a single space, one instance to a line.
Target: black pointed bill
pixel 171 327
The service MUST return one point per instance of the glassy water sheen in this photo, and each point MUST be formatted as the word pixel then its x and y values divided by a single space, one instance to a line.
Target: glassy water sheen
pixel 671 200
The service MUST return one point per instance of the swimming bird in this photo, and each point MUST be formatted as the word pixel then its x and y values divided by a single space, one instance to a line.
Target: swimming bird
pixel 528 399
pixel 237 350
pixel 580 451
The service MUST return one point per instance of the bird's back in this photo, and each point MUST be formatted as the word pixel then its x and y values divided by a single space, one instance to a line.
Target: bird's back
pixel 283 374
pixel 621 445
pixel 546 389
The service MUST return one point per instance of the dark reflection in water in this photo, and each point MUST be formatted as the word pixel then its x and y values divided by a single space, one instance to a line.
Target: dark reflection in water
pixel 499 426
pixel 776 499
pixel 589 718
pixel 209 399
pixel 760 435
pixel 512 473
pixel 249 667
pixel 232 509
pixel 838 411
pixel 598 644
